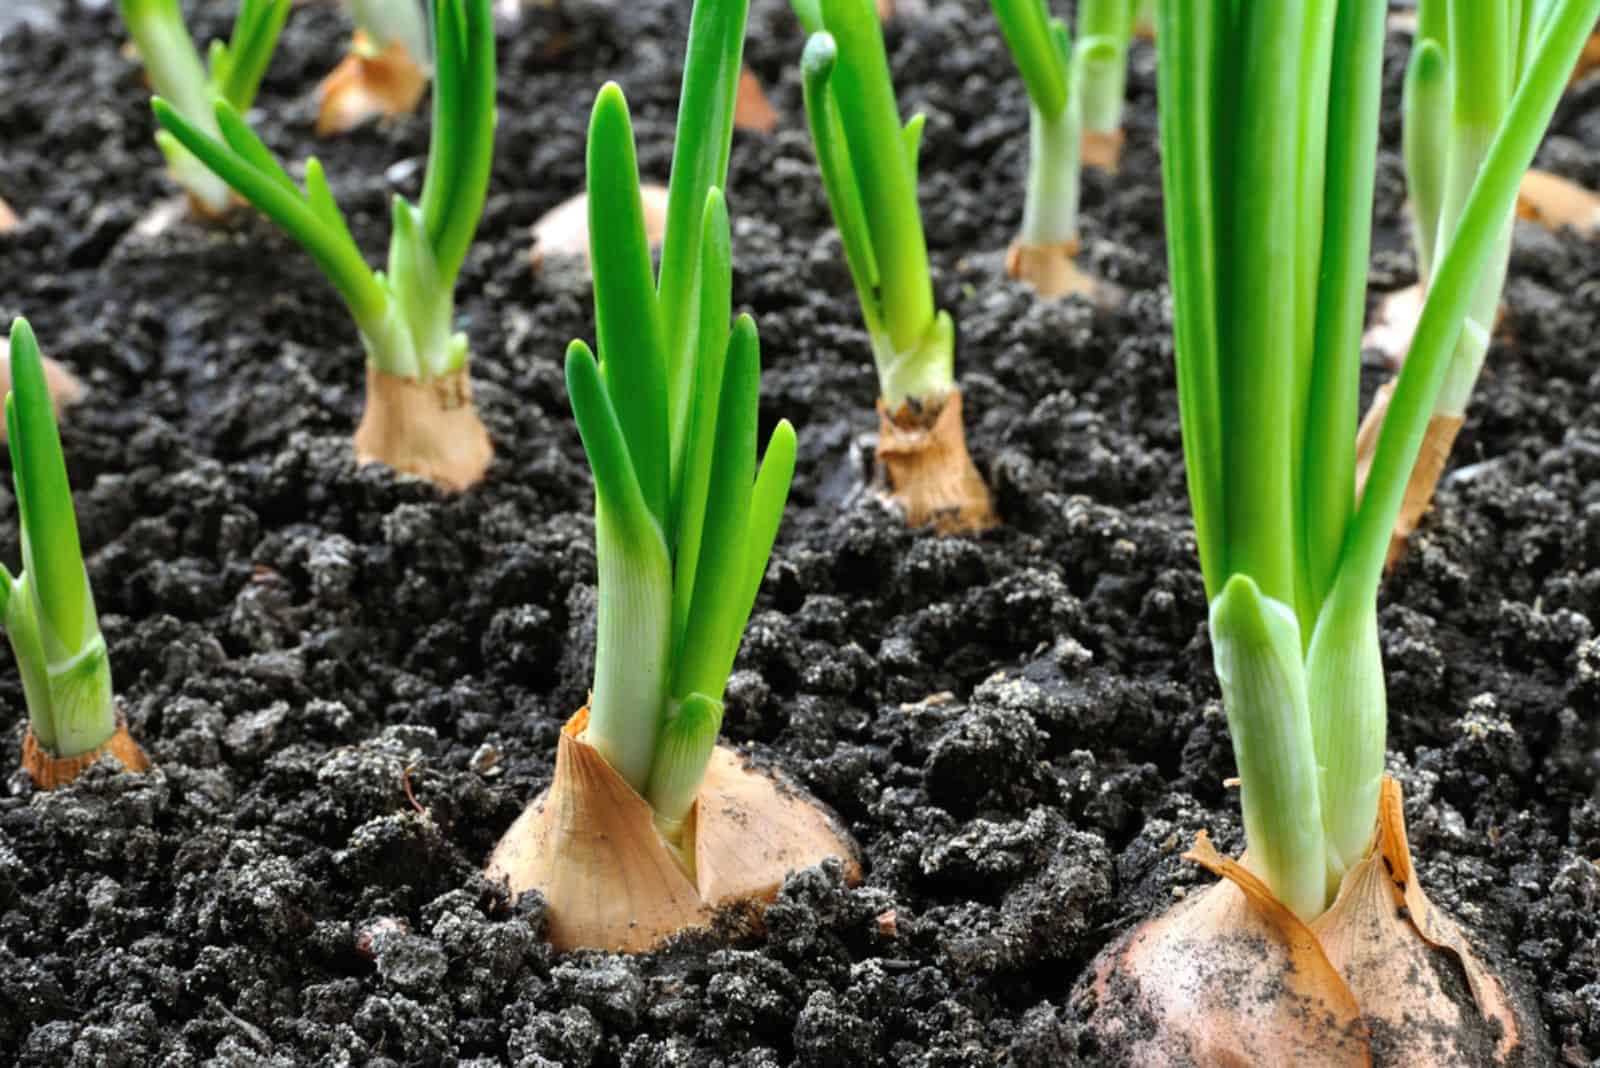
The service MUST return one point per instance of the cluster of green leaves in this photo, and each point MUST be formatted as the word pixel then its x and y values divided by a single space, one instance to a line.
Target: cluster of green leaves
pixel 1269 132
pixel 684 522
pixel 174 67
pixel 48 610
pixel 868 163
pixel 405 315
pixel 1468 59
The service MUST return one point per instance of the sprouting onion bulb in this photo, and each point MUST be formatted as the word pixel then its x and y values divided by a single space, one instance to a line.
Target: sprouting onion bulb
pixel 405 316
pixel 868 163
pixel 1268 182
pixel 233 74
pixel 48 611
pixel 684 520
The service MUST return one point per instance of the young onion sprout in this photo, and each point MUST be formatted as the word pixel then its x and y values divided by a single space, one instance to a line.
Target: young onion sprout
pixel 233 74
pixel 405 316
pixel 48 610
pixel 388 22
pixel 868 162
pixel 1268 212
pixel 1056 76
pixel 648 826
pixel 684 523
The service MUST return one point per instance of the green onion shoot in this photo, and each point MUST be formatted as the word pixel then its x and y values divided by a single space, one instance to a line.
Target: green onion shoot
pixel 385 71
pixel 1269 130
pixel 48 610
pixel 684 519
pixel 1054 74
pixel 868 163
pixel 649 826
pixel 232 73
pixel 419 416
pixel 1467 63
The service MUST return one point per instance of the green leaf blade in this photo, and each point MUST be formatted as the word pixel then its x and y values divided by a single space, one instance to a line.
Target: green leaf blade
pixel 700 152
pixel 53 558
pixel 627 319
pixel 702 665
pixel 1026 27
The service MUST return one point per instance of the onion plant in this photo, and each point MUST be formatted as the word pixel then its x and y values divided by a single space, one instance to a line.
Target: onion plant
pixel 684 520
pixel 1468 60
pixel 48 610
pixel 648 827
pixel 405 316
pixel 233 74
pixel 868 163
pixel 1056 76
pixel 1269 129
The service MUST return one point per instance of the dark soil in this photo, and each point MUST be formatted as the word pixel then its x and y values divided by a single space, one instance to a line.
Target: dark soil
pixel 351 684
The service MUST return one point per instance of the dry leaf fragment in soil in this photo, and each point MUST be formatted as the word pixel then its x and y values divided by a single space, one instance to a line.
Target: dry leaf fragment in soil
pixel 1231 977
pixel 424 428
pixel 49 771
pixel 591 847
pixel 924 467
pixel 369 83
pixel 64 386
pixel 563 231
pixel 1555 203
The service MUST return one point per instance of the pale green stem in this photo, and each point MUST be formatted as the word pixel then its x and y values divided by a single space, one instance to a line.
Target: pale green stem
pixel 631 651
pixel 1256 647
pixel 1050 212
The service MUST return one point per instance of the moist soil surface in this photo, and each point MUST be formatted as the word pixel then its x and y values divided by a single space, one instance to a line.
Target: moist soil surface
pixel 351 684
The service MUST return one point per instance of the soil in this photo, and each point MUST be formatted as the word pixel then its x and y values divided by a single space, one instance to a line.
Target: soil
pixel 351 684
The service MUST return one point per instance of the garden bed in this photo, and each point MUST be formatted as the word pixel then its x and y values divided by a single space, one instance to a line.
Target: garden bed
pixel 351 684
